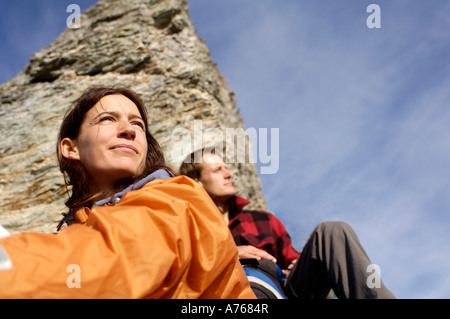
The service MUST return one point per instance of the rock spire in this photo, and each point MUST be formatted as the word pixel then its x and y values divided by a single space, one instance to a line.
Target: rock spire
pixel 150 46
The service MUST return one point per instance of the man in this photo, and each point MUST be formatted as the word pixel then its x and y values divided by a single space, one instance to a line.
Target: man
pixel 332 258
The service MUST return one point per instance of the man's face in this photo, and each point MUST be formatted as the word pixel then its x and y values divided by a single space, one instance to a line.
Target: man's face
pixel 216 178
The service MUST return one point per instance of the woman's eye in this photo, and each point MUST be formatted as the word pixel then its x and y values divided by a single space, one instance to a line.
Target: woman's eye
pixel 106 118
pixel 139 124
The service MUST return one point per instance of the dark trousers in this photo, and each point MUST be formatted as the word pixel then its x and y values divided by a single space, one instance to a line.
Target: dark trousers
pixel 333 258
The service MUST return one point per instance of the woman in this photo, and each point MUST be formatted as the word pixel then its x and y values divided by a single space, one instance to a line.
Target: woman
pixel 138 231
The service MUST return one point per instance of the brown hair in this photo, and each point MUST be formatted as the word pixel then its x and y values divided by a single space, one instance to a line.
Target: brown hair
pixel 75 174
pixel 192 164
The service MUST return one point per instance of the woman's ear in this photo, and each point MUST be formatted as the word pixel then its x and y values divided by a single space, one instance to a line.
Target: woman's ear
pixel 69 149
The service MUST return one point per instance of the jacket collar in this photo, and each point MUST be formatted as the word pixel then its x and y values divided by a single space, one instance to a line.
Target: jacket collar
pixel 158 174
pixel 236 205
pixel 240 203
pixel 82 215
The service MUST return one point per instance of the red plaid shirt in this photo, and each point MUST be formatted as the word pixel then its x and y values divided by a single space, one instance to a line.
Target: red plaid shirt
pixel 262 230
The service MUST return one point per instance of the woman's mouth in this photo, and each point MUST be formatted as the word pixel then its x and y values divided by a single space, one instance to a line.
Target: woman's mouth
pixel 125 148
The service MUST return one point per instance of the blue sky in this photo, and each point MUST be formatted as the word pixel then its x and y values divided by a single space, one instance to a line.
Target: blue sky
pixel 363 114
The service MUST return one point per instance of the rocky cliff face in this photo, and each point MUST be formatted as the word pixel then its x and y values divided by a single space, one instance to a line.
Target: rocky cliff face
pixel 148 45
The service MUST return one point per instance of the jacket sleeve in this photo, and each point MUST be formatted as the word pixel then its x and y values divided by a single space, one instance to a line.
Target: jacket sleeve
pixel 166 240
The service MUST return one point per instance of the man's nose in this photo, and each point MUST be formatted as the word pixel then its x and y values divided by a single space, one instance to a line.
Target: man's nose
pixel 227 174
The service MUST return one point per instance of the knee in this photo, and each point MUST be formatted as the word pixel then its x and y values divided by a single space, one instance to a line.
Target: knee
pixel 334 224
pixel 334 227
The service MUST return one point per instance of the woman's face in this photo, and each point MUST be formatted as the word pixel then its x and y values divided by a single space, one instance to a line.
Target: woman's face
pixel 112 144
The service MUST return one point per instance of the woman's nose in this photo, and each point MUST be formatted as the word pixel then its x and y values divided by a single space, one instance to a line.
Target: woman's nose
pixel 127 130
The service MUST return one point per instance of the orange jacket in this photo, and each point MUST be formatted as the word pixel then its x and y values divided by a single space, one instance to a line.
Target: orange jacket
pixel 165 240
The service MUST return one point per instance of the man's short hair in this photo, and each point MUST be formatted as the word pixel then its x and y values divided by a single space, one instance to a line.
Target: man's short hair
pixel 192 164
